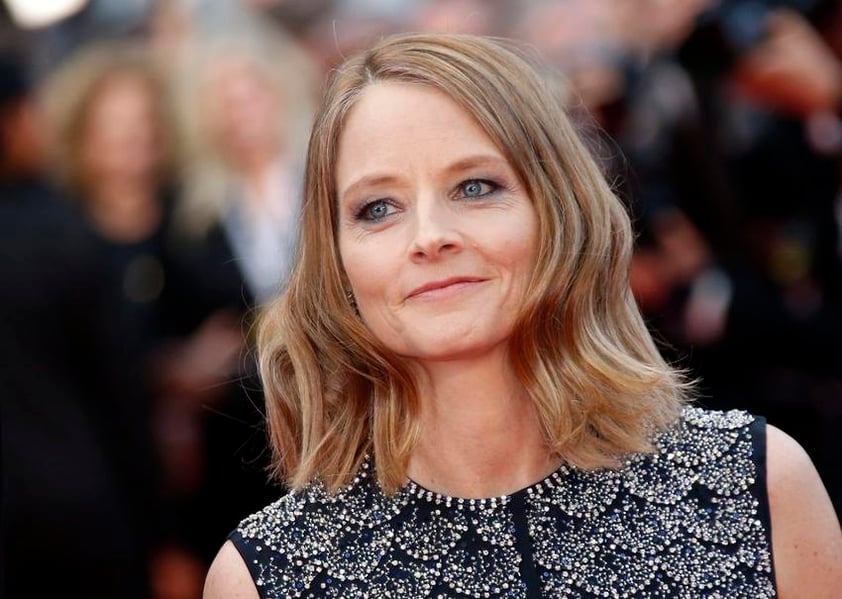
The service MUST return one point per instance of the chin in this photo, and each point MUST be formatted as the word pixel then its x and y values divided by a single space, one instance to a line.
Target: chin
pixel 452 348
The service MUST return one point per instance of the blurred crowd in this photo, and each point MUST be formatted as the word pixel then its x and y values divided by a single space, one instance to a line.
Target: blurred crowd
pixel 151 160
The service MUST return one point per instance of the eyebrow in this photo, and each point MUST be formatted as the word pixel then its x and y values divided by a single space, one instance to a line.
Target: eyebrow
pixel 476 161
pixel 369 181
pixel 461 165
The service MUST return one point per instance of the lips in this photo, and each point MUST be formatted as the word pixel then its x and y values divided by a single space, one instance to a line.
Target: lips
pixel 430 288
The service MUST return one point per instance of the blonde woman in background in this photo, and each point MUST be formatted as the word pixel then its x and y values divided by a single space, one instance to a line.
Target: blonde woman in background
pixel 243 97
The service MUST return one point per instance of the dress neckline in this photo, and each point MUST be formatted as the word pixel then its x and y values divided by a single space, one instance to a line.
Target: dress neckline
pixel 554 478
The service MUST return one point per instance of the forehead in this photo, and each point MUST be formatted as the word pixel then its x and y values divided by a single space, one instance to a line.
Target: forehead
pixel 402 124
pixel 122 79
pixel 122 89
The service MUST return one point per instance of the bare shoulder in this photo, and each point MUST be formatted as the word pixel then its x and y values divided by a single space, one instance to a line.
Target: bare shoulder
pixel 806 538
pixel 228 576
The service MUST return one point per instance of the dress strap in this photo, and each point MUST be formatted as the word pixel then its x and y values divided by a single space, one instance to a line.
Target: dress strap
pixel 760 488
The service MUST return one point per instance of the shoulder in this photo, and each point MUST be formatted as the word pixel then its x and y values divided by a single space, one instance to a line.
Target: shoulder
pixel 295 516
pixel 806 538
pixel 696 417
pixel 715 433
pixel 288 545
pixel 261 548
pixel 277 525
pixel 228 576
pixel 703 438
pixel 704 453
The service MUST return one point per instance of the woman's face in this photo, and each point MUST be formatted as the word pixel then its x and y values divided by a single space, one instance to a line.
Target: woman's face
pixel 121 136
pixel 436 234
pixel 243 111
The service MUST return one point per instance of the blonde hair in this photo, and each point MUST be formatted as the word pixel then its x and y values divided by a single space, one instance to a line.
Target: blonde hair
pixel 581 350
pixel 69 93
pixel 276 59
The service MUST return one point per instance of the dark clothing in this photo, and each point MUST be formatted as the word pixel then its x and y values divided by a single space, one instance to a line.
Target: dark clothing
pixel 690 520
pixel 73 515
pixel 207 280
pixel 759 201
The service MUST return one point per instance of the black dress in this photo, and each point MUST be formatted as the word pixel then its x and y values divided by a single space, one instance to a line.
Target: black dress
pixel 690 520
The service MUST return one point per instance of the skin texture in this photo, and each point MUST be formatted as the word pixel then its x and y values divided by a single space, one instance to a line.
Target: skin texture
pixel 228 577
pixel 806 539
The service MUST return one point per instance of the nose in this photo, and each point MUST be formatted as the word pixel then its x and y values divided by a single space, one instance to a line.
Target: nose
pixel 435 232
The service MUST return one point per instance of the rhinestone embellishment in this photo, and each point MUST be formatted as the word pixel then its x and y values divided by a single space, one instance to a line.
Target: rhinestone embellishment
pixel 684 521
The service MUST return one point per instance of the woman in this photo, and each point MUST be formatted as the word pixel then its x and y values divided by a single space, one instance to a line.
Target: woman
pixel 244 100
pixel 468 331
pixel 66 452
pixel 111 147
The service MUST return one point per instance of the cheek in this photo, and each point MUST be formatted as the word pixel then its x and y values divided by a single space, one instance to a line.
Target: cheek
pixel 367 268
pixel 372 276
pixel 518 250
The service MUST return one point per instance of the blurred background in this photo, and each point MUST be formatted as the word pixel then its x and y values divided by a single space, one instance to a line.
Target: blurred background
pixel 151 157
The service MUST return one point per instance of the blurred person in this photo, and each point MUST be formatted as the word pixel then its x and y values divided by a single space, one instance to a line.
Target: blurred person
pixel 74 478
pixel 587 40
pixel 737 197
pixel 244 97
pixel 112 145
pixel 788 178
pixel 345 27
pixel 462 16
pixel 245 103
pixel 298 17
pixel 112 141
pixel 461 391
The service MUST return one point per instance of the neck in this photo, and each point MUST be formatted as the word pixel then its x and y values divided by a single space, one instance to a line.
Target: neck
pixel 480 434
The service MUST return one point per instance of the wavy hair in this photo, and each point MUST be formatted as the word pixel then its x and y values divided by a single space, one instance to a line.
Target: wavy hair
pixel 581 348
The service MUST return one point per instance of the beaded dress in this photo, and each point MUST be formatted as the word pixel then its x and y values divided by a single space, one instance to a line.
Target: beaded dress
pixel 689 520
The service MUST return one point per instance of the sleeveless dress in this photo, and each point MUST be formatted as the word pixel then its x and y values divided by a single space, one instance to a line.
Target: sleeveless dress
pixel 689 520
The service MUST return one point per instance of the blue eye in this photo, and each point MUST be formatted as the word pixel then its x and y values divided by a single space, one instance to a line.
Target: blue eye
pixel 477 188
pixel 375 211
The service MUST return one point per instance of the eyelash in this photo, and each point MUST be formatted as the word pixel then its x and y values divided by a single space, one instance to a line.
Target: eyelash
pixel 493 185
pixel 364 213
